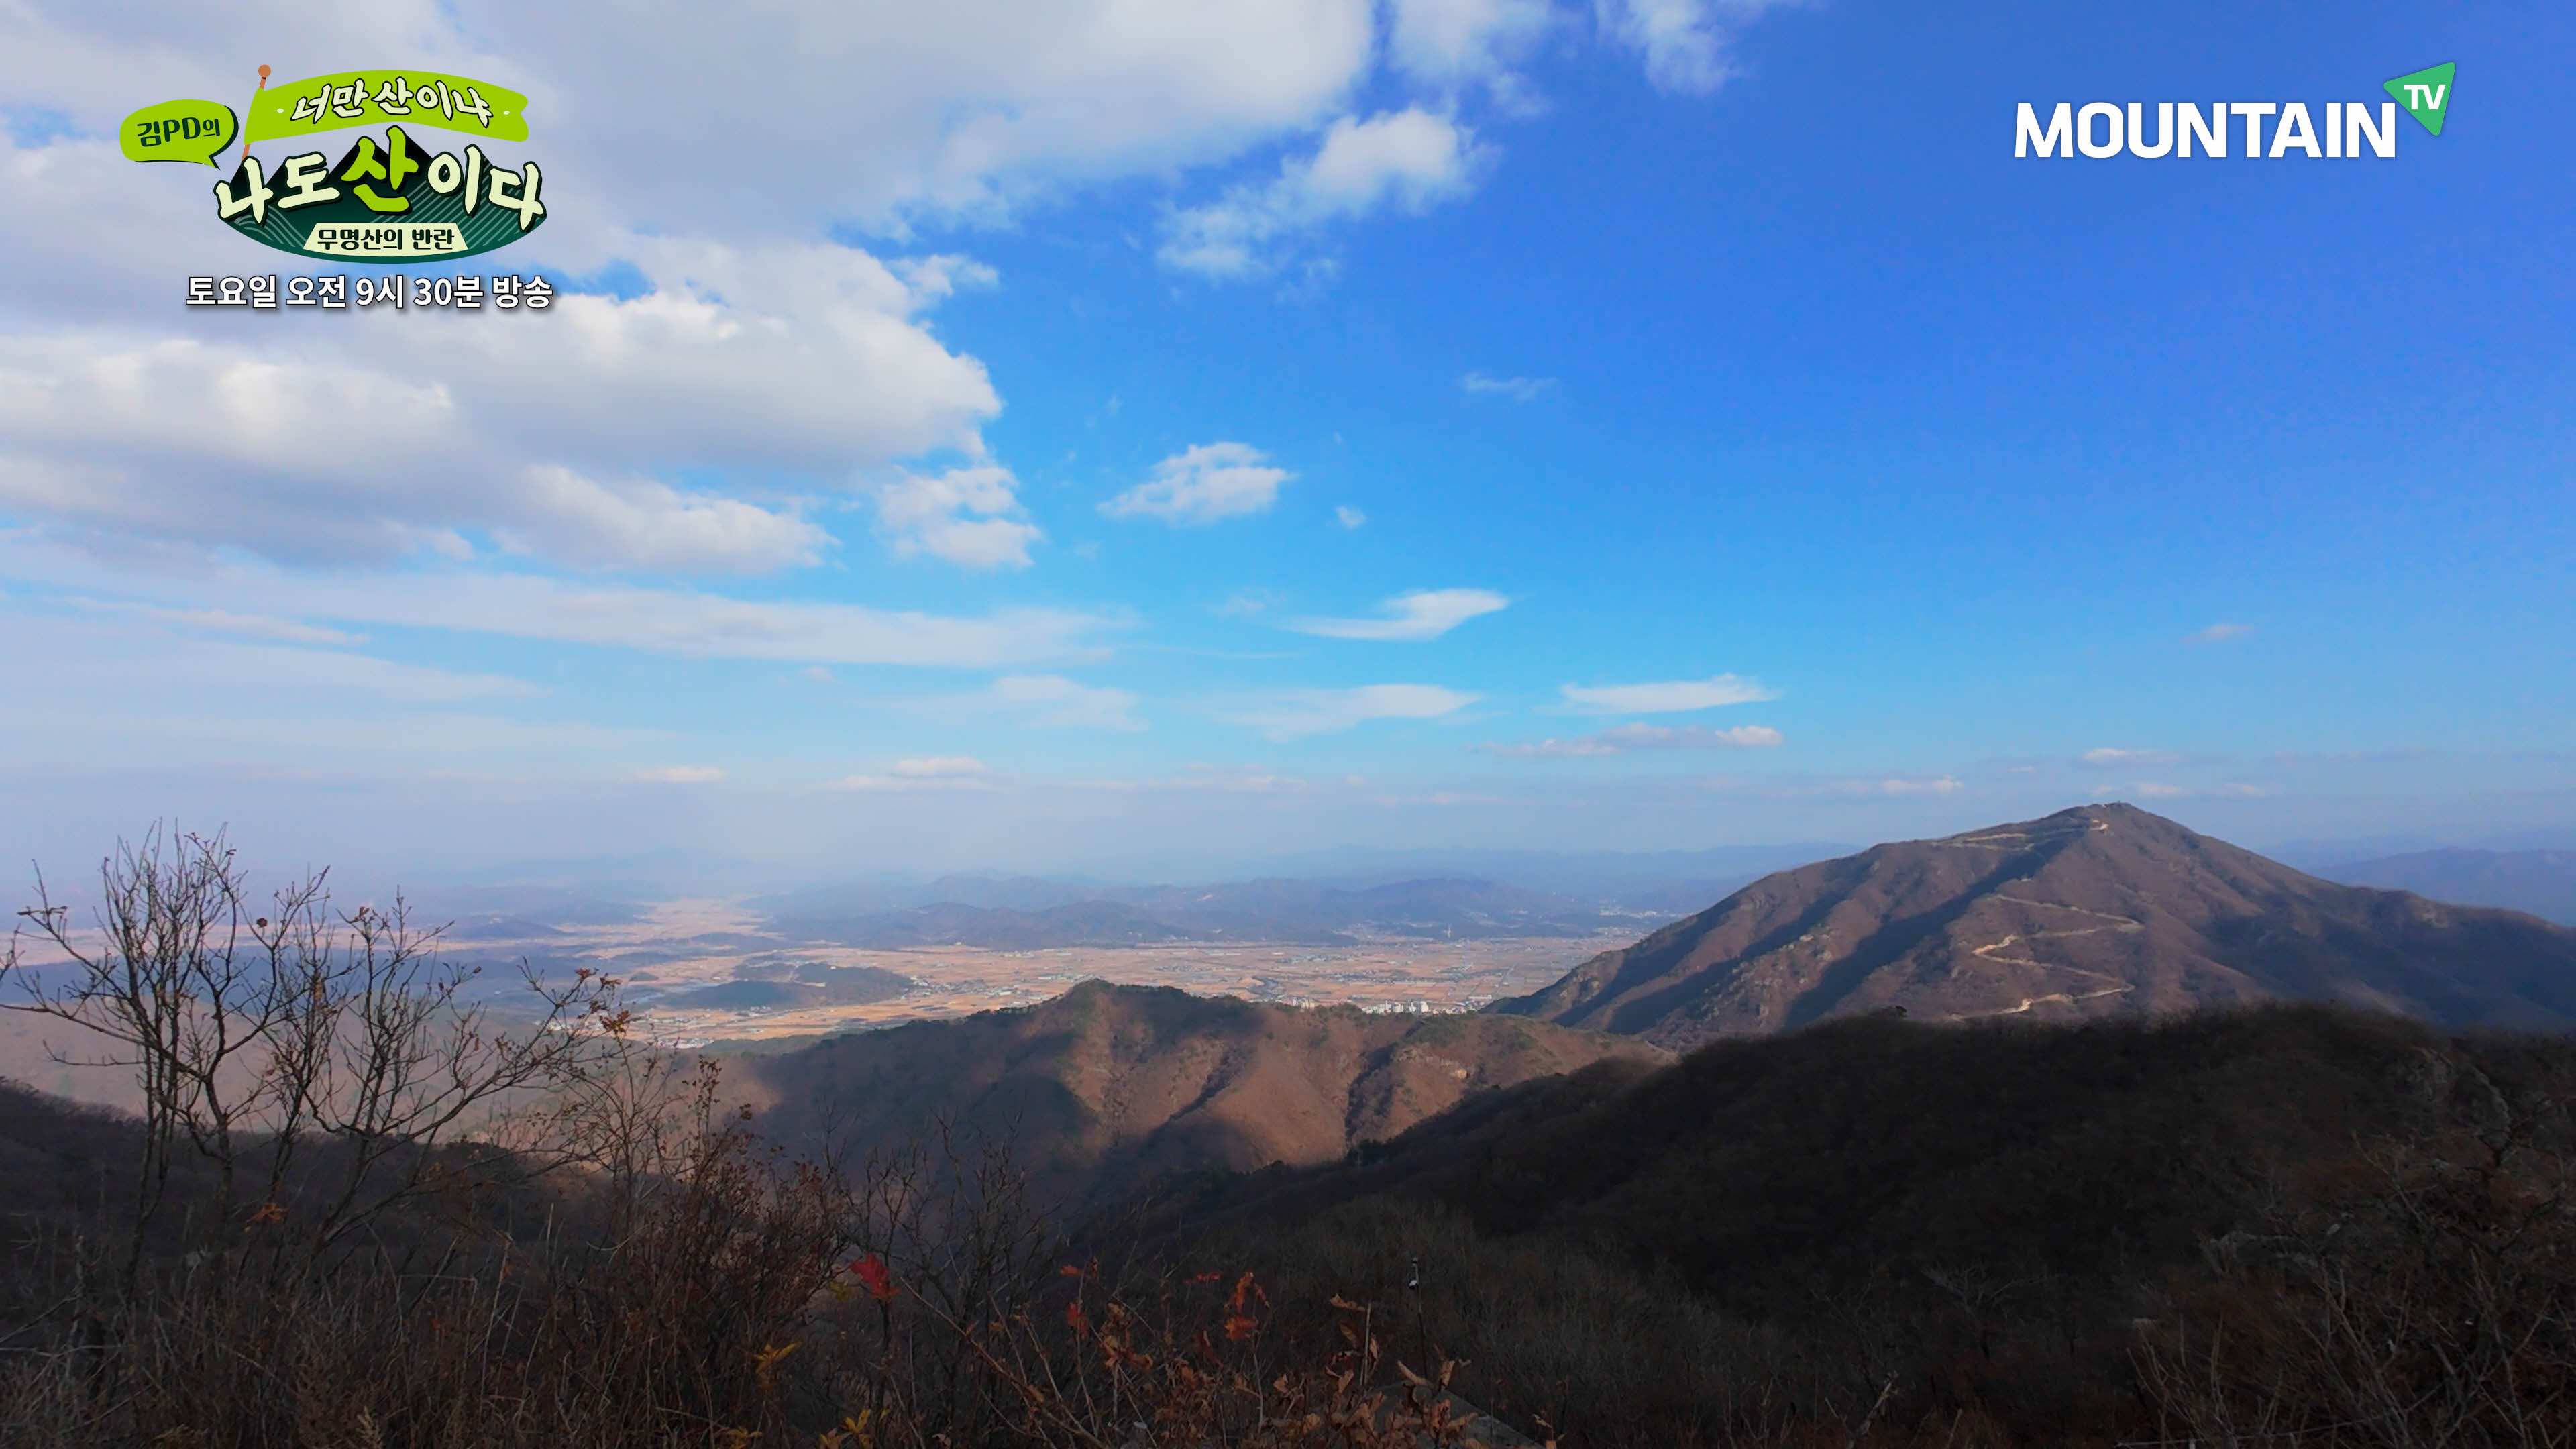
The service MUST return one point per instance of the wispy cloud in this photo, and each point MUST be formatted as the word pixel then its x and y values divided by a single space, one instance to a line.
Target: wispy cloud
pixel 682 621
pixel 1349 517
pixel 681 775
pixel 928 772
pixel 1203 484
pixel 2219 633
pixel 1293 714
pixel 1224 780
pixel 1939 785
pixel 1628 738
pixel 1665 697
pixel 1041 701
pixel 1518 389
pixel 1406 161
pixel 1448 42
pixel 1423 614
pixel 2166 790
pixel 2390 755
pixel 1687 45
pixel 2109 756
pixel 112 661
pixel 221 621
pixel 1051 701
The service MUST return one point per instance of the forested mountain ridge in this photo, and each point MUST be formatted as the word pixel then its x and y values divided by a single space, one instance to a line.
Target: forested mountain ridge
pixel 2096 911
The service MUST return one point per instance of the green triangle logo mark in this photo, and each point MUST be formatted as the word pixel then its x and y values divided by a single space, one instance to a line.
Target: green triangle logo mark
pixel 2426 94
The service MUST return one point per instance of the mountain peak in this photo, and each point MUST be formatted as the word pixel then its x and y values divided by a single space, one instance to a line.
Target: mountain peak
pixel 2097 910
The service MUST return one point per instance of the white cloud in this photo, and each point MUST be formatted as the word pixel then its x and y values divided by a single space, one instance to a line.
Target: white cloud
pixel 1210 779
pixel 363 438
pixel 657 620
pixel 125 691
pixel 931 515
pixel 1518 389
pixel 76 664
pixel 1438 798
pixel 1448 41
pixel 1627 738
pixel 1051 701
pixel 2166 790
pixel 1422 614
pixel 1404 161
pixel 967 107
pixel 972 109
pixel 1348 517
pixel 1667 697
pixel 2108 756
pixel 1943 785
pixel 681 775
pixel 933 278
pixel 1202 485
pixel 1687 45
pixel 1293 714
pixel 2356 757
pixel 379 436
pixel 930 772
pixel 640 524
pixel 2219 633
pixel 220 621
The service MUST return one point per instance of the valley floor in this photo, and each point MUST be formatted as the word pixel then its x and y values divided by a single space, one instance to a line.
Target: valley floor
pixel 1393 975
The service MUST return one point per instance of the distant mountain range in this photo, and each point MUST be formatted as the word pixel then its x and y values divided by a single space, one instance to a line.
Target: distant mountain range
pixel 1025 913
pixel 2095 911
pixel 2542 882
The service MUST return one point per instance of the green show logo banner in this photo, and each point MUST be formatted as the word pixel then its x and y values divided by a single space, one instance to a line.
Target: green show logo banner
pixel 370 98
pixel 194 132
pixel 383 201
pixel 388 198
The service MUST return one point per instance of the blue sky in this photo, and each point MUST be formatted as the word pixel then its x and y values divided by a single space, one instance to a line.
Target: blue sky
pixel 1262 427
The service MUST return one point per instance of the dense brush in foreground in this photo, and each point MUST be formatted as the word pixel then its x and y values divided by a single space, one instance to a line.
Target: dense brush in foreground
pixel 2284 1220
pixel 2281 1226
pixel 722 1298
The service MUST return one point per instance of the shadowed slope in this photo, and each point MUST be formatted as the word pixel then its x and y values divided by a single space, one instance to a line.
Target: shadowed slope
pixel 1105 1085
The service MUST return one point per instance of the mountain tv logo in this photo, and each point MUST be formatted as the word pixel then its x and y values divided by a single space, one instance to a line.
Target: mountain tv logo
pixel 2270 129
pixel 387 199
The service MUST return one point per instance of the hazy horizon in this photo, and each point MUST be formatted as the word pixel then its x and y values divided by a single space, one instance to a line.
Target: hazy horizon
pixel 1148 441
pixel 752 860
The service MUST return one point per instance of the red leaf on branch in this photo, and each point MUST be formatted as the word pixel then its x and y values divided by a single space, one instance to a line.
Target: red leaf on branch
pixel 878 1278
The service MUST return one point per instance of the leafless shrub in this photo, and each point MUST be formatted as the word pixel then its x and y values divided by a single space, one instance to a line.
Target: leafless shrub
pixel 257 1038
pixel 2417 1294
